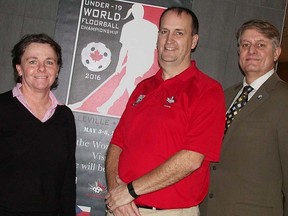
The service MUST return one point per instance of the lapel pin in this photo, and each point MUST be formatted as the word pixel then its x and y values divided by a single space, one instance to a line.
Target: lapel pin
pixel 259 97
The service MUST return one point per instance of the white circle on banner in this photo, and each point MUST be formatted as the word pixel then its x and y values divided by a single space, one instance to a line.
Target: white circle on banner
pixel 96 56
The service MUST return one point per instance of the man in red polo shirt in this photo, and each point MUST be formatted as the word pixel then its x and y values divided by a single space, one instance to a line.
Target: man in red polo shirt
pixel 172 128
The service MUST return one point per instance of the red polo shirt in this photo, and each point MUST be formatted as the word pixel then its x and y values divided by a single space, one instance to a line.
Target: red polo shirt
pixel 163 117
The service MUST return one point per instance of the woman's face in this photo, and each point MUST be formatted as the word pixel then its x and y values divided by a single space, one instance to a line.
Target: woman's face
pixel 38 67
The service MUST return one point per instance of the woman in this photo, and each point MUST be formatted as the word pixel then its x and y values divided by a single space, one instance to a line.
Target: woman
pixel 37 135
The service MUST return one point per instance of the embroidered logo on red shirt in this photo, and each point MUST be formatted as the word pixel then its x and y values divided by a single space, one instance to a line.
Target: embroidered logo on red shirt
pixel 169 101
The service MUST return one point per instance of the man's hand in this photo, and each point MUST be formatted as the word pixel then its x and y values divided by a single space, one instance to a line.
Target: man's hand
pixel 118 196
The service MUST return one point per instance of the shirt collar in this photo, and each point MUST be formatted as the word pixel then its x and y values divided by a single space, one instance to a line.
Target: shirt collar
pixel 17 93
pixel 256 84
pixel 184 75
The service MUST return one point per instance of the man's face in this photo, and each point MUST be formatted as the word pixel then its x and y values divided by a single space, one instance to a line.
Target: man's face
pixel 257 53
pixel 175 39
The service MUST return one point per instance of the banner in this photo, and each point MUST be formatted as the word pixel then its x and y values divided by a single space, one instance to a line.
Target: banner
pixel 108 48
pixel 114 51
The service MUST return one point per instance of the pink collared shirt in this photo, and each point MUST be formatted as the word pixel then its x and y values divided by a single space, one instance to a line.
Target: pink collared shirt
pixel 18 94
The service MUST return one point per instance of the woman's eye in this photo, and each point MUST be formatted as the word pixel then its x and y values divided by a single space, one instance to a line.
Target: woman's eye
pixel 50 62
pixel 33 62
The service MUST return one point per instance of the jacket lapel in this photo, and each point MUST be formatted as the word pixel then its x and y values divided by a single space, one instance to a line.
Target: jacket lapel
pixel 258 98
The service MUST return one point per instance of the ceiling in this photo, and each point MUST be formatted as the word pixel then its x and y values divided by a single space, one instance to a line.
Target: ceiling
pixel 284 43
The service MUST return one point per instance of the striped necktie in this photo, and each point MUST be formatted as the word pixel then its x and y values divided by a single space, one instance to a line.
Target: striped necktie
pixel 239 103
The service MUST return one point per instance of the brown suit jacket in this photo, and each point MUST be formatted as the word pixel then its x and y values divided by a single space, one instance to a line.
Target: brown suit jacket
pixel 252 176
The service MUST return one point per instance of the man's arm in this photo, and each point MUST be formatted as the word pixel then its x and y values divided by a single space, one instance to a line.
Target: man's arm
pixel 173 170
pixel 180 165
pixel 283 150
pixel 111 167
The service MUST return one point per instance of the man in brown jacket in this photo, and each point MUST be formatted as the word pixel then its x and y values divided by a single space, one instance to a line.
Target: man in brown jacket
pixel 252 176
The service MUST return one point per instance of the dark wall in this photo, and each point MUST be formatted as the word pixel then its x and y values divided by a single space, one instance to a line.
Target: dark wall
pixel 282 70
pixel 216 53
pixel 219 21
pixel 17 18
